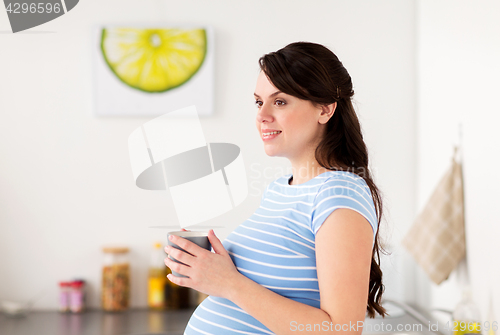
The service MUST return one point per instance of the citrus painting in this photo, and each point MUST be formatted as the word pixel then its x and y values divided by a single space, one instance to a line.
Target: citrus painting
pixel 152 70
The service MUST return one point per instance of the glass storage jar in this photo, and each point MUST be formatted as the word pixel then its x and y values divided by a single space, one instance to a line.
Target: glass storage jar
pixel 115 279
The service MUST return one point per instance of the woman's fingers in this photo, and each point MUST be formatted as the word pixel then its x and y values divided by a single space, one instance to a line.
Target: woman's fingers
pixel 186 245
pixel 208 272
pixel 216 243
pixel 183 269
pixel 181 281
pixel 179 255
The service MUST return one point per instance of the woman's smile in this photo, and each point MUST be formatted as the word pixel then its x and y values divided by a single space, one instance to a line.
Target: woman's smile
pixel 269 134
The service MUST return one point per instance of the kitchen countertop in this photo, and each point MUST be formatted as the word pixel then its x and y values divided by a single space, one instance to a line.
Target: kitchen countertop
pixel 97 322
pixel 149 322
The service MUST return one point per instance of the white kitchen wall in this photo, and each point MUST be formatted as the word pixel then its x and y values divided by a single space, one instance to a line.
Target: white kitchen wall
pixel 458 70
pixel 66 187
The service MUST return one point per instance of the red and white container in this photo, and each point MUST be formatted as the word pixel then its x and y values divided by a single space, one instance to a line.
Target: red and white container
pixel 77 296
pixel 64 292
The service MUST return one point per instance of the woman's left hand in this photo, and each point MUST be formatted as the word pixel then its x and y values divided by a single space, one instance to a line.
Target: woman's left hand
pixel 212 273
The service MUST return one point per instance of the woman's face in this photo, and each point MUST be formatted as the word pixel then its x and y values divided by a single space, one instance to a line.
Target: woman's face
pixel 296 121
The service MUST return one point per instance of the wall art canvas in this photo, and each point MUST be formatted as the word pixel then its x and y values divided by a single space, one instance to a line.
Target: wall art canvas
pixel 149 71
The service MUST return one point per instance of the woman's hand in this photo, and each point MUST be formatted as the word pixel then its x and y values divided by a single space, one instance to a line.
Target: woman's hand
pixel 208 272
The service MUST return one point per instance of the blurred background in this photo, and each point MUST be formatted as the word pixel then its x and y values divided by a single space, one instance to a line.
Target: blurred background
pixel 420 68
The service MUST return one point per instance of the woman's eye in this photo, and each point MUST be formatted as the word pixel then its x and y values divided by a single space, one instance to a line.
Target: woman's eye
pixel 258 103
pixel 280 102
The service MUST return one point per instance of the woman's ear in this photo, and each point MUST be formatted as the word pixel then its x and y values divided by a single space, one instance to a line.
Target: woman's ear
pixel 327 112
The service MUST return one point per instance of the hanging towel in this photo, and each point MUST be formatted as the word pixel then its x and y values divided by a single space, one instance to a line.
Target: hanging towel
pixel 437 238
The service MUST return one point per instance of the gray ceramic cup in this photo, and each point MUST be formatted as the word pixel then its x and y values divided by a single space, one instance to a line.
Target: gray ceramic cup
pixel 198 237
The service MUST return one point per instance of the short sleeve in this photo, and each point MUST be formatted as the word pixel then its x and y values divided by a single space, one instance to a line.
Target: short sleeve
pixel 343 192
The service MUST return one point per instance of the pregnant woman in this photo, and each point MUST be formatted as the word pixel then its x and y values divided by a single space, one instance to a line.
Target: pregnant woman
pixel 307 261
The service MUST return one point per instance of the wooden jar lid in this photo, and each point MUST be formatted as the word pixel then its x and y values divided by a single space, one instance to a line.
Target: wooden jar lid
pixel 115 250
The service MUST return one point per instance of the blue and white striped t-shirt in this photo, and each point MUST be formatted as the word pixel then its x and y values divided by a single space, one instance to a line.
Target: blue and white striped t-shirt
pixel 275 247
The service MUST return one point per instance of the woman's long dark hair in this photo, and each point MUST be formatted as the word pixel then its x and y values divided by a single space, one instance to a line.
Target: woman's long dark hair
pixel 312 72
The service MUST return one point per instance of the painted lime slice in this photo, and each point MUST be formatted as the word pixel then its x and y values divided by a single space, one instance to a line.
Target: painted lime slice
pixel 154 60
